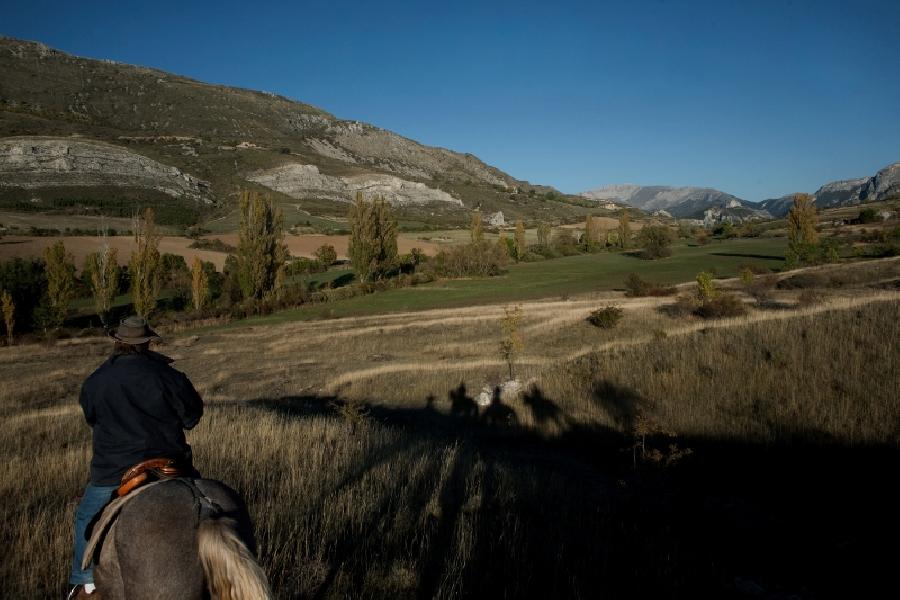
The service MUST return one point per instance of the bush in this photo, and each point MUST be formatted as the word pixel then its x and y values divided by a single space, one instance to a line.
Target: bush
pixel 214 244
pixel 685 305
pixel 638 288
pixel 564 242
pixel 304 266
pixel 605 318
pixel 706 287
pixel 809 298
pixel 481 259
pixel 326 255
pixel 868 215
pixel 761 287
pixel 723 305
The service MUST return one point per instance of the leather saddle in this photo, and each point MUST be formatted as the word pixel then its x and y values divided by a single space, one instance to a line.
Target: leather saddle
pixel 154 469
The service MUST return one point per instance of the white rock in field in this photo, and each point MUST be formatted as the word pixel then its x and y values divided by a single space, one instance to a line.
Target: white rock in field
pixel 484 398
pixel 512 386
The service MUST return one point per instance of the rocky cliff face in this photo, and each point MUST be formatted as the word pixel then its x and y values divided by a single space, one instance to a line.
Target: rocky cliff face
pixel 777 207
pixel 840 193
pixel 883 186
pixel 41 162
pixel 305 181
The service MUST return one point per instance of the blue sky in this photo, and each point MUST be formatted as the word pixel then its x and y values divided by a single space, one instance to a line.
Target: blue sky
pixel 756 98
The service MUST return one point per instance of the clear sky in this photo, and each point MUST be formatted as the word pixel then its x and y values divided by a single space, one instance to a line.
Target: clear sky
pixel 757 98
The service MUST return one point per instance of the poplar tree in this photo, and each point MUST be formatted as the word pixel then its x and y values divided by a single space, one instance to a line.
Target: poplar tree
pixel 543 234
pixel 199 284
pixel 521 248
pixel 145 265
pixel 477 228
pixel 9 312
pixel 101 269
pixel 60 271
pixel 624 230
pixel 373 238
pixel 503 245
pixel 261 253
pixel 803 238
pixel 590 233
pixel 511 344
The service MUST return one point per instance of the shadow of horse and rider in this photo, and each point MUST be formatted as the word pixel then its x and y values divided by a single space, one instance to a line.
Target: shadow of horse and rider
pixel 732 502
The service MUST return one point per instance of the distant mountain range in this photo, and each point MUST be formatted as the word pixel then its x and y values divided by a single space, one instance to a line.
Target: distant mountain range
pixel 713 205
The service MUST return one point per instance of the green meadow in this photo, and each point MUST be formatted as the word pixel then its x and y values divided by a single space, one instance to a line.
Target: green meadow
pixel 555 278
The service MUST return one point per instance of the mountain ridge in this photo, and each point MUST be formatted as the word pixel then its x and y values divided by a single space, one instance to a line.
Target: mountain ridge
pixel 709 204
pixel 231 137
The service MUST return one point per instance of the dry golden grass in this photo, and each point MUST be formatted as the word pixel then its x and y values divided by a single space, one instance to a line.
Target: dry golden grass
pixel 416 499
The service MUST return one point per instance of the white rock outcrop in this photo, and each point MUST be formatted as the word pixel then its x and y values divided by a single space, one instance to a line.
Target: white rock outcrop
pixel 304 181
pixel 497 219
pixel 38 162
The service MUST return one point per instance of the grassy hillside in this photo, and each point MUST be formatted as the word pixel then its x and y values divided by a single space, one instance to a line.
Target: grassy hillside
pixel 200 129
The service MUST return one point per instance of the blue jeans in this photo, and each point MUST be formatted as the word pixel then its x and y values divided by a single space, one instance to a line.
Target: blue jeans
pixel 95 497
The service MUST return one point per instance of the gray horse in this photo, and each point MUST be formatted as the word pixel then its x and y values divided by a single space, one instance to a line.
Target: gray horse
pixel 180 538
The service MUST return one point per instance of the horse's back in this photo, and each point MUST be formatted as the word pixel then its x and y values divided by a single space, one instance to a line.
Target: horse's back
pixel 152 549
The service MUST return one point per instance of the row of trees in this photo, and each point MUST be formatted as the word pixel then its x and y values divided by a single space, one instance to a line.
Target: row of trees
pixel 654 239
pixel 48 286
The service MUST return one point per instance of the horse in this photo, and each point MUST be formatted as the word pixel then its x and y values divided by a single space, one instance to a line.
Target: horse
pixel 179 538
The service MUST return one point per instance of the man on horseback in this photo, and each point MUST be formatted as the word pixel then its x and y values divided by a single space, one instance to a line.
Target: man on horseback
pixel 138 407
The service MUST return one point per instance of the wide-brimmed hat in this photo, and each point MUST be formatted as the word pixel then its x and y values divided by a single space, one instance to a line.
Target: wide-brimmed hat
pixel 133 330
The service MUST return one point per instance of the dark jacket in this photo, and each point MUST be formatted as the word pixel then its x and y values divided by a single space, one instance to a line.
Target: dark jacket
pixel 138 407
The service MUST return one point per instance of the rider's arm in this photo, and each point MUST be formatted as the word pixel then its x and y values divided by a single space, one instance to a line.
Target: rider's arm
pixel 188 404
pixel 87 405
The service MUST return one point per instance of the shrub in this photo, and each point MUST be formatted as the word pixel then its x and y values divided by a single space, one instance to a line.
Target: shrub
pixel 214 244
pixel 638 288
pixel 605 318
pixel 635 287
pixel 564 242
pixel 868 215
pixel 483 259
pixel 304 266
pixel 746 278
pixel 685 305
pixel 809 298
pixel 761 287
pixel 706 287
pixel 723 305
pixel 326 255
